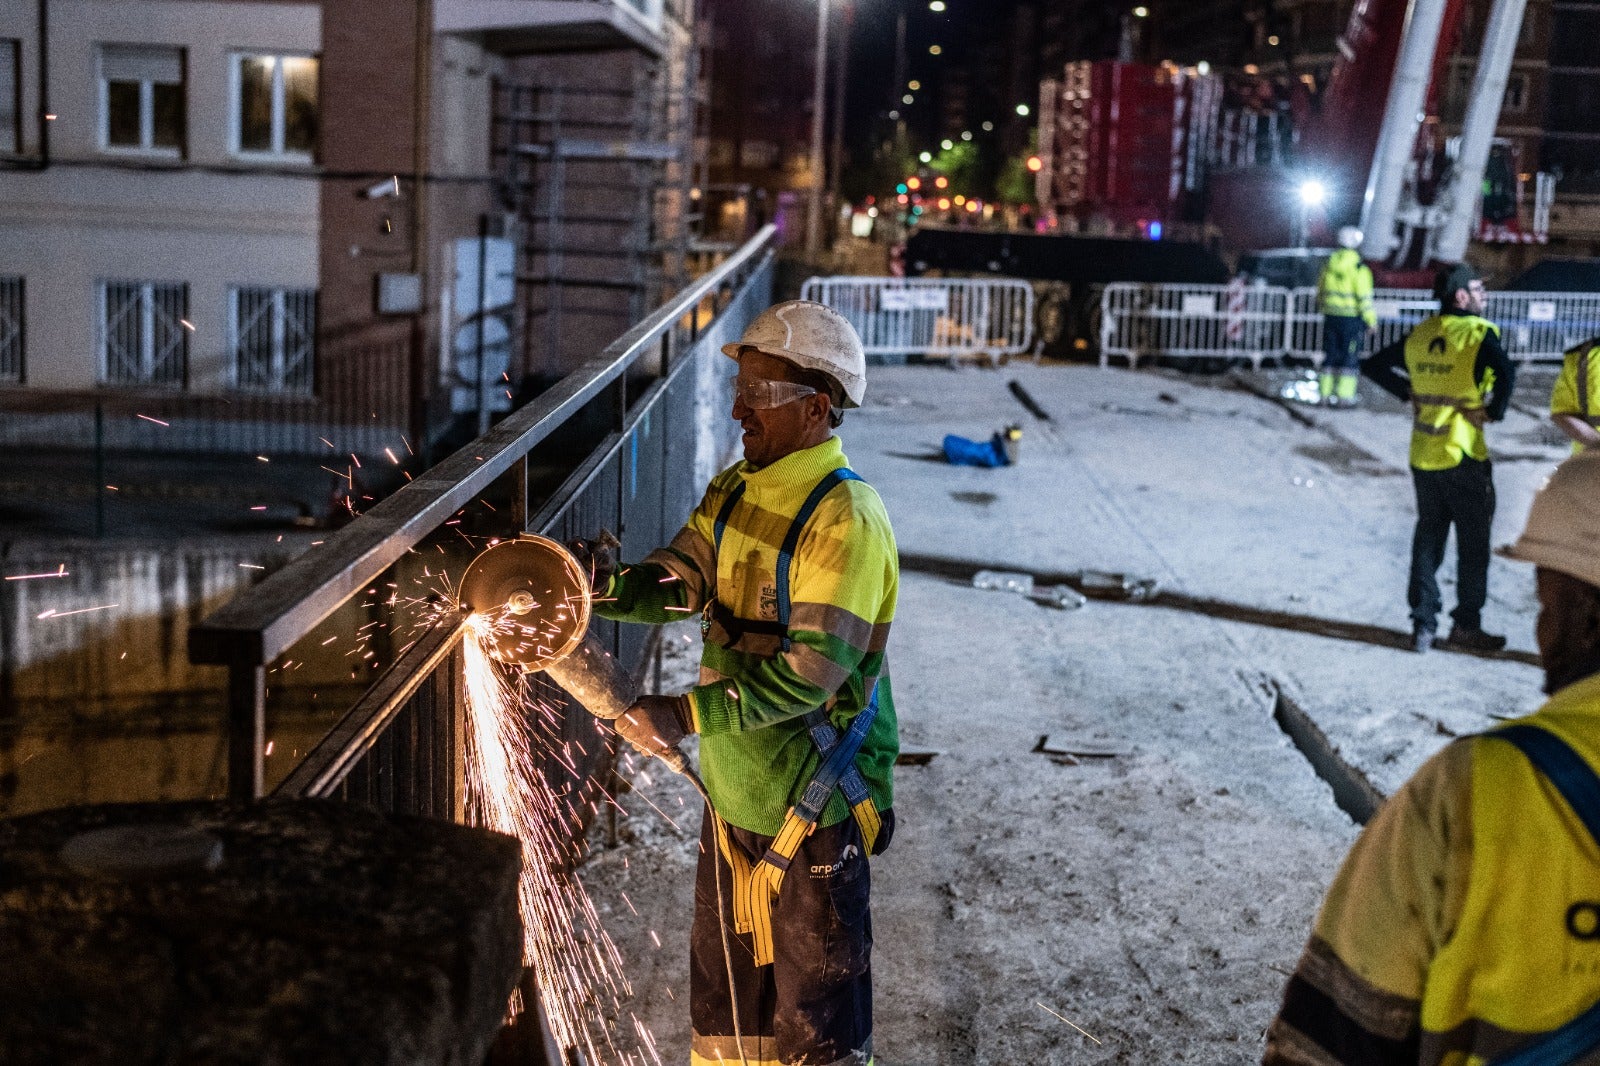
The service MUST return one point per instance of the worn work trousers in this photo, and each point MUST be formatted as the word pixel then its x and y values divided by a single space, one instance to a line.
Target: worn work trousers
pixel 813 1005
pixel 1462 496
pixel 1342 337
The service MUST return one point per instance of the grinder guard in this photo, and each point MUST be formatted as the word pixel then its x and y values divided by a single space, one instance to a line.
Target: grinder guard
pixel 535 595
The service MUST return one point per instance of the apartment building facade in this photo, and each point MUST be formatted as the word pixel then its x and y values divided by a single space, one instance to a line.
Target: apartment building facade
pixel 281 211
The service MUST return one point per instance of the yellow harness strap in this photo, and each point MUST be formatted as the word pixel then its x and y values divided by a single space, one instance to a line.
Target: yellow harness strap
pixel 755 886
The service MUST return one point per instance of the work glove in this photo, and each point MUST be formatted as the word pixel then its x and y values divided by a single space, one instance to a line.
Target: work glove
pixel 598 557
pixel 655 724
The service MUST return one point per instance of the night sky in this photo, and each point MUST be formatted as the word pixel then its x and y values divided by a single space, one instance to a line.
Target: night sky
pixel 960 31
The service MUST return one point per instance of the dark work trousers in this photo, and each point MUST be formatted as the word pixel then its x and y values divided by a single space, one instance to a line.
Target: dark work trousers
pixel 1342 338
pixel 813 1005
pixel 1462 496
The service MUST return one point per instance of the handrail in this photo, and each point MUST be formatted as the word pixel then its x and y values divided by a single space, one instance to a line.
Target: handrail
pixel 255 628
pixel 320 772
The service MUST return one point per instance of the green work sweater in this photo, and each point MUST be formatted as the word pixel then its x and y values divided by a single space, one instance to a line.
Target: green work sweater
pixel 756 755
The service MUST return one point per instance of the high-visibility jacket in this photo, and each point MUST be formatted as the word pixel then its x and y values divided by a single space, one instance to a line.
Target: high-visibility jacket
pixel 1577 388
pixel 1441 359
pixel 759 680
pixel 1345 288
pixel 1464 921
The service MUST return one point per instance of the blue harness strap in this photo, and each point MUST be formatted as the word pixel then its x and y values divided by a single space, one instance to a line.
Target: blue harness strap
pixel 1578 784
pixel 823 734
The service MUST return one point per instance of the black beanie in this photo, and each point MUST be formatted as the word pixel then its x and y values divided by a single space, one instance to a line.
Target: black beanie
pixel 1451 278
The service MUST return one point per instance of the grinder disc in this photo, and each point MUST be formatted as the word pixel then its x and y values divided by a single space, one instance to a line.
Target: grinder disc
pixel 535 596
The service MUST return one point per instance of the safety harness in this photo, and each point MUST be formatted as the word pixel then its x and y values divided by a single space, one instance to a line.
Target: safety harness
pixel 1580 787
pixel 755 887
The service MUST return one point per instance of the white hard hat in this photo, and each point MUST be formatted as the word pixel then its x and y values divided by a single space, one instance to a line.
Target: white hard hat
pixel 1563 531
pixel 812 336
pixel 1350 237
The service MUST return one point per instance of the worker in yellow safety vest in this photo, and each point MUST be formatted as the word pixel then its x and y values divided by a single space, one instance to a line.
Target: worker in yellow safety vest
pixel 1344 296
pixel 1575 400
pixel 1455 374
pixel 1464 925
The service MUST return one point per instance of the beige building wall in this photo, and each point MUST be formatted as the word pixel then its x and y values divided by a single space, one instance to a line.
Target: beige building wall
pixel 209 219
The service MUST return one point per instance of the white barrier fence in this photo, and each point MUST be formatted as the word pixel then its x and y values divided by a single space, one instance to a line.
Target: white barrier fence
pixel 950 318
pixel 1260 322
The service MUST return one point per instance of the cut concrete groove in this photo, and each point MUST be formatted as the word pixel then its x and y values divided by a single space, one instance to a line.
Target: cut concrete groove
pixel 1354 794
pixel 961 570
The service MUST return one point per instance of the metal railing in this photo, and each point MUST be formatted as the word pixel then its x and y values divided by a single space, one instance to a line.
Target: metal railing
pixel 365 399
pixel 1261 322
pixel 952 318
pixel 626 441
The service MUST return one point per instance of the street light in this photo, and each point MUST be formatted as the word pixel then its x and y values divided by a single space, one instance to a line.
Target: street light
pixel 818 122
pixel 1022 109
pixel 1312 194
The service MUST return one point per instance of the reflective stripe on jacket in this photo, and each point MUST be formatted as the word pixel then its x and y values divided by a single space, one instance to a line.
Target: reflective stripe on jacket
pixel 1441 359
pixel 1345 288
pixel 1577 388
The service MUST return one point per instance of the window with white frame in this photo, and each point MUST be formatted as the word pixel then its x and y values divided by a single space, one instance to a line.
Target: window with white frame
pixel 10 94
pixel 273 338
pixel 11 332
pixel 144 333
pixel 141 99
pixel 275 105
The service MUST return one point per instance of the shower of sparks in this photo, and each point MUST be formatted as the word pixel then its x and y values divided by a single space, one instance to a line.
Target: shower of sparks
pixel 53 613
pixel 573 959
pixel 59 572
pixel 1075 1025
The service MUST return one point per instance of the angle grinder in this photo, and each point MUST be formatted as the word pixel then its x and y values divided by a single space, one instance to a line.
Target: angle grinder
pixel 534 596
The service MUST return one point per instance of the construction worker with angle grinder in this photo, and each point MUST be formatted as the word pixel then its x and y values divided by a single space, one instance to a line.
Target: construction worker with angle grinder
pixel 1464 925
pixel 1455 374
pixel 792 563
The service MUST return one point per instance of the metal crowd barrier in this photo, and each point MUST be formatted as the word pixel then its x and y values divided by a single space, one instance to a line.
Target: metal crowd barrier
pixel 945 318
pixel 1261 322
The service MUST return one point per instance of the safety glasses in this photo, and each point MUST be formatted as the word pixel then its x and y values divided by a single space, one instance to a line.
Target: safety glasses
pixel 764 395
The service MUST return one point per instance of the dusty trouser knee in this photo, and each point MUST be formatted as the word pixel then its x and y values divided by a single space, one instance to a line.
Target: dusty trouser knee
pixel 813 1005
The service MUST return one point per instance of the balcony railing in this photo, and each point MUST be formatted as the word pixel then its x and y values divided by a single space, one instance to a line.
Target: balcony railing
pixel 554 25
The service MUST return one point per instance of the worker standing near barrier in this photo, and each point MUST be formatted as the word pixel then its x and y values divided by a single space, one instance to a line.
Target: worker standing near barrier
pixel 1344 296
pixel 1464 925
pixel 1457 377
pixel 792 563
pixel 1575 400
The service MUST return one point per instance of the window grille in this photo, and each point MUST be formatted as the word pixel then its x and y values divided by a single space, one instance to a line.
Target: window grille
pixel 144 333
pixel 274 339
pixel 11 332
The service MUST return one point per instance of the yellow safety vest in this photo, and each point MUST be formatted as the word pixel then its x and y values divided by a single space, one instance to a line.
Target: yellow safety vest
pixel 1345 288
pixel 1441 358
pixel 1577 389
pixel 1524 957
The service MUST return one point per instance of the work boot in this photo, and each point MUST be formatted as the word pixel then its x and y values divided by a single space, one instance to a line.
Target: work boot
pixel 1468 638
pixel 1421 639
pixel 1348 396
